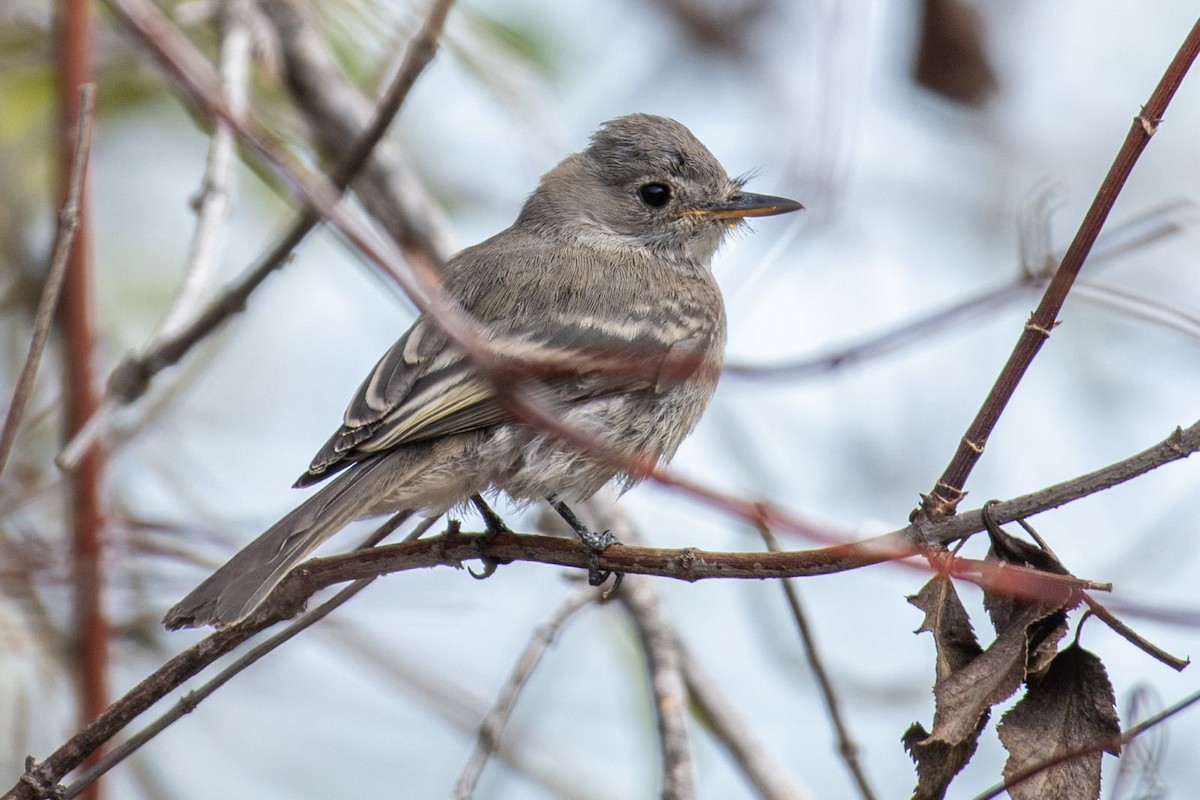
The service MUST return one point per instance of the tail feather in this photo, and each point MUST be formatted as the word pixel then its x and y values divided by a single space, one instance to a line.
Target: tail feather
pixel 240 586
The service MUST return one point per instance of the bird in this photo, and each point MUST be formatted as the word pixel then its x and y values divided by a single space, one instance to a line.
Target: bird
pixel 612 255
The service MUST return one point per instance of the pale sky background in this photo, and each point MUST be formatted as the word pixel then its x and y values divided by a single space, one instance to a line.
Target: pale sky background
pixel 912 204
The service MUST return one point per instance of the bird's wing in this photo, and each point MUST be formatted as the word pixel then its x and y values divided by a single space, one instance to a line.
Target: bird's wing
pixel 424 388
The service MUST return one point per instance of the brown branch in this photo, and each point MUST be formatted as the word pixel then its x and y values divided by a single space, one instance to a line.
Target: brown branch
pixel 172 675
pixel 89 650
pixel 492 728
pixel 132 377
pixel 943 499
pixel 336 111
pixel 686 564
pixel 64 238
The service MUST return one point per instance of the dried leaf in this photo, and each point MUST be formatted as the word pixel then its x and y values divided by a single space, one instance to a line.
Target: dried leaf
pixel 1011 550
pixel 937 761
pixel 947 620
pixel 1070 707
pixel 970 682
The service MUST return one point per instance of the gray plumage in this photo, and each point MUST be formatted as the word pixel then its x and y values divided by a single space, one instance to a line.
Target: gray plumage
pixel 610 255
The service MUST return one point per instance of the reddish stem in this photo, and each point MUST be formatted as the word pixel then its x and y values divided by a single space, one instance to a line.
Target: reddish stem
pixel 942 501
pixel 73 23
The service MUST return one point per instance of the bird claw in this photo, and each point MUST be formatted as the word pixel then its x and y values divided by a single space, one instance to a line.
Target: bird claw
pixel 494 527
pixel 595 543
pixel 489 567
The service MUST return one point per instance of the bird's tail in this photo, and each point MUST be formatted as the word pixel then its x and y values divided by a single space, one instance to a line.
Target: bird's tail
pixel 238 588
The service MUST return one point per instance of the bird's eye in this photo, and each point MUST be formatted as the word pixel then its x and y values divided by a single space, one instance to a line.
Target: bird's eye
pixel 655 194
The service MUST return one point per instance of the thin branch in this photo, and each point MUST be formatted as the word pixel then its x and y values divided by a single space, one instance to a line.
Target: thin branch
pixel 132 377
pixel 1099 746
pixel 191 700
pixel 335 110
pixel 847 747
pixel 64 238
pixel 664 662
pixel 233 21
pixel 491 730
pixel 948 491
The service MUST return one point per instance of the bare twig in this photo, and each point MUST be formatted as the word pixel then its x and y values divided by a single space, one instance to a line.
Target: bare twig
pixel 492 728
pixel 948 491
pixel 664 663
pixel 64 238
pixel 847 747
pixel 336 111
pixel 132 377
pixel 192 699
pixel 233 20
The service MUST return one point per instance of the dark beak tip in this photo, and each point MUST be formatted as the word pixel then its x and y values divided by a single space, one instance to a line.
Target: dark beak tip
pixel 755 205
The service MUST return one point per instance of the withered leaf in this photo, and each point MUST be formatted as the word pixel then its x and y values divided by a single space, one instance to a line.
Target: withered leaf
pixel 1009 549
pixel 970 682
pixel 1070 707
pixel 937 761
pixel 947 620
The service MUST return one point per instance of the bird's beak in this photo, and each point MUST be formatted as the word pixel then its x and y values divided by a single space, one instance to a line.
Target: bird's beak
pixel 746 204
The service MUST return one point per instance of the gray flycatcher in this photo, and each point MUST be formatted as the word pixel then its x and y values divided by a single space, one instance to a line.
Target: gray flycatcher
pixel 611 254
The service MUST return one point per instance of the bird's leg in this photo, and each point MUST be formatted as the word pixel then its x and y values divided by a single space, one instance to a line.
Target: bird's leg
pixel 594 543
pixel 493 527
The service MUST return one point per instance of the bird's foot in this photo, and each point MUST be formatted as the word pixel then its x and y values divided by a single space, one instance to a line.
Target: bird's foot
pixel 595 543
pixel 493 527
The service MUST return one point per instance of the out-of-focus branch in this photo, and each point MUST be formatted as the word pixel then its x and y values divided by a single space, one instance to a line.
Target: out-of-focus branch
pixel 664 663
pixel 491 730
pixel 943 499
pixel 64 238
pixel 132 377
pixel 234 22
pixel 1146 227
pixel 337 112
